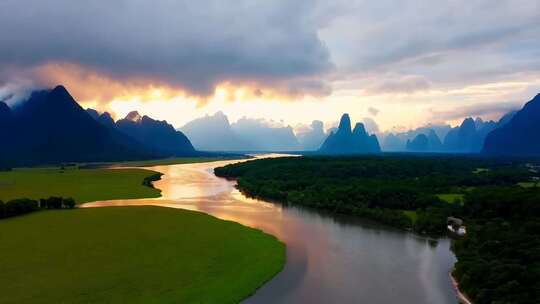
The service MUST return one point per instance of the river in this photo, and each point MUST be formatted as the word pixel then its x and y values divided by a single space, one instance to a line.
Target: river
pixel 330 259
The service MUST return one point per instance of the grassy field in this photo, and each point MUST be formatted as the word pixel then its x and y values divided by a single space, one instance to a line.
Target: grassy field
pixel 528 184
pixel 84 185
pixel 411 214
pixel 132 255
pixel 161 162
pixel 451 197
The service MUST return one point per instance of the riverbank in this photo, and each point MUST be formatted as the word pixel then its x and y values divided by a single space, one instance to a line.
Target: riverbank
pixel 460 295
pixel 133 255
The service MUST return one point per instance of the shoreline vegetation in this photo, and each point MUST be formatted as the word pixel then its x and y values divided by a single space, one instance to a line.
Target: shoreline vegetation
pixel 498 259
pixel 113 254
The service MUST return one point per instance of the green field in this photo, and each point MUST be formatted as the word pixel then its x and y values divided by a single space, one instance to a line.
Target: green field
pixel 411 214
pixel 528 184
pixel 162 162
pixel 84 185
pixel 132 255
pixel 451 197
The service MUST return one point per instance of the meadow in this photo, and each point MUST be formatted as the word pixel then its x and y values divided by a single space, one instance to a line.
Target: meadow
pixel 132 255
pixel 83 185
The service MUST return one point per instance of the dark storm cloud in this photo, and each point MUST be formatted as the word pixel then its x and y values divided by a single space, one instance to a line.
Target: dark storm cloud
pixel 443 41
pixel 194 44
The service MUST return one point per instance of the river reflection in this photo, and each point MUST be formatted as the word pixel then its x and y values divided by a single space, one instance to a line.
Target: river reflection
pixel 330 259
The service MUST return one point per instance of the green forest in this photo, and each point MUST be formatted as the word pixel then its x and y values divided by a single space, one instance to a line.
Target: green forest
pixel 499 259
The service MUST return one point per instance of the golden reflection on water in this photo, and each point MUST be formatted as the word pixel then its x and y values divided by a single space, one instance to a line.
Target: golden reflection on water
pixel 195 187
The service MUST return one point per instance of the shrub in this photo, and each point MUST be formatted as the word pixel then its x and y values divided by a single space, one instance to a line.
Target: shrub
pixel 68 203
pixel 20 206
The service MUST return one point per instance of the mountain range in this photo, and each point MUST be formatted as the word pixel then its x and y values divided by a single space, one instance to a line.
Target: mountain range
pixel 51 127
pixel 347 141
pixel 216 133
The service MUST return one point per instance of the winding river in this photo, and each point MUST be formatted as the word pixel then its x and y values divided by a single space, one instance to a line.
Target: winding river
pixel 330 259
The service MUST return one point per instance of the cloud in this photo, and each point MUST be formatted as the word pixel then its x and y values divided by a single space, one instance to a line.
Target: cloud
pixel 373 111
pixel 449 42
pixel 484 110
pixel 400 84
pixel 371 125
pixel 195 45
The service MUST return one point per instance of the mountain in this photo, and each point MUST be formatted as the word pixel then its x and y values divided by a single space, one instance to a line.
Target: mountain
pixel 6 117
pixel 105 118
pixel 51 127
pixel 214 133
pixel 419 144
pixel 520 136
pixel 345 141
pixel 470 135
pixel 435 144
pixel 265 137
pixel 159 136
pixel 396 141
pixel 312 139
pixel 425 143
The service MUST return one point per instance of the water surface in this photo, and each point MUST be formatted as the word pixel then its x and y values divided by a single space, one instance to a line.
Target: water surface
pixel 330 259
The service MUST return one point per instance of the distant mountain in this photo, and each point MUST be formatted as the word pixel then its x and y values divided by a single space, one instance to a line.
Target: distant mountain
pixel 470 135
pixel 51 127
pixel 345 141
pixel 393 143
pixel 435 144
pixel 396 141
pixel 265 137
pixel 313 138
pixel 425 143
pixel 520 136
pixel 157 135
pixel 419 144
pixel 214 133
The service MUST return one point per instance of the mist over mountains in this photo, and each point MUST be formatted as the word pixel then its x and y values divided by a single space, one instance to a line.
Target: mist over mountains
pixel 468 137
pixel 216 133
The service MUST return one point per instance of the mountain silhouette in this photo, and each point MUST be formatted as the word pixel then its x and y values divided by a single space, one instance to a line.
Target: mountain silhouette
pixel 214 133
pixel 347 141
pixel 159 136
pixel 520 136
pixel 51 127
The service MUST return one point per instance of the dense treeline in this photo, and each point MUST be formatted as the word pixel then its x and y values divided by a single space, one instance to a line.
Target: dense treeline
pixel 23 205
pixel 499 260
pixel 379 188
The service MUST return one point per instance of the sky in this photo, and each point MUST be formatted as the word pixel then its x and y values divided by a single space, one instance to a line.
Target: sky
pixel 400 64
